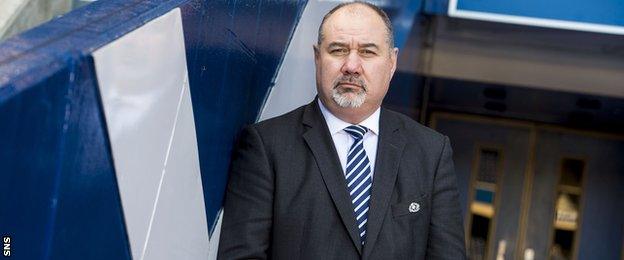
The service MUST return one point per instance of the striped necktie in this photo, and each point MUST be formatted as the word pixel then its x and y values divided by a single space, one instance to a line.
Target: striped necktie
pixel 359 178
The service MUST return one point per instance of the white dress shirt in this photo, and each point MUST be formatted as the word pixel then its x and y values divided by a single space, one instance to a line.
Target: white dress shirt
pixel 343 140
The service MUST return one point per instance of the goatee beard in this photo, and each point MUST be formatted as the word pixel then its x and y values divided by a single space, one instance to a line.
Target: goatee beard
pixel 343 100
pixel 340 94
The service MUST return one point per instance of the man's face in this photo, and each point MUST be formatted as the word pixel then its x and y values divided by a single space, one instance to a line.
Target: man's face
pixel 354 62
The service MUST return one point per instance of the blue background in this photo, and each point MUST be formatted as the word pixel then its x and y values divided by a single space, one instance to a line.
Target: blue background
pixel 606 12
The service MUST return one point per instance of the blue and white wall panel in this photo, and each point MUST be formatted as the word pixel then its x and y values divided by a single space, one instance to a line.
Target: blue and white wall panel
pixel 297 72
pixel 144 88
pixel 117 123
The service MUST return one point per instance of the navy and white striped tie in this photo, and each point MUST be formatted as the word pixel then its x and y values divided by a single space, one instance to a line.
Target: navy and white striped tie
pixel 359 178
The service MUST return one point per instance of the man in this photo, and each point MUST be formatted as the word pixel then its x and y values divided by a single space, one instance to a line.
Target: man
pixel 342 178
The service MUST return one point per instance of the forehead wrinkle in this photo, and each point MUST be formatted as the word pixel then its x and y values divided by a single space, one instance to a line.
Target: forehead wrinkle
pixel 368 45
pixel 337 44
pixel 355 28
pixel 357 15
pixel 354 32
pixel 355 40
pixel 348 44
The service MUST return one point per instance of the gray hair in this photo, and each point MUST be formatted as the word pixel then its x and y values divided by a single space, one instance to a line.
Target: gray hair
pixel 379 11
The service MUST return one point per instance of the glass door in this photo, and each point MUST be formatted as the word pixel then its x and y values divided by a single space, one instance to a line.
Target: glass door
pixel 533 191
pixel 491 161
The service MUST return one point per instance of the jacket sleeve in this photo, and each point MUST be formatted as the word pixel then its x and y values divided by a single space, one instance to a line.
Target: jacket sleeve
pixel 247 219
pixel 446 232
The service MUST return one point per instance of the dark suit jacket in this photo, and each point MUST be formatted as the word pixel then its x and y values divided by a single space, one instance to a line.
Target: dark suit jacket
pixel 287 196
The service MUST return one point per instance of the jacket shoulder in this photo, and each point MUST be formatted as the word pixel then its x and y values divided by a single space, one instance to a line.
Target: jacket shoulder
pixel 285 121
pixel 280 129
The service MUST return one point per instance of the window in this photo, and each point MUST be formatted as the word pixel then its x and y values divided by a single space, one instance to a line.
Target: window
pixel 567 209
pixel 482 207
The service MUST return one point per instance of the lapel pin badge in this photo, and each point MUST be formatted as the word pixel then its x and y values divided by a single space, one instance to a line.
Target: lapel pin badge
pixel 414 207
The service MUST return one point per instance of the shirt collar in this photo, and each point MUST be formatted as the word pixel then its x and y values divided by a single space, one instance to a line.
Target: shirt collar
pixel 336 125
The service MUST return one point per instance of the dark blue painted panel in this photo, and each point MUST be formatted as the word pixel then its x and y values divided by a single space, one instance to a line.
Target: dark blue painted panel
pixel 31 126
pixel 58 185
pixel 233 52
pixel 88 204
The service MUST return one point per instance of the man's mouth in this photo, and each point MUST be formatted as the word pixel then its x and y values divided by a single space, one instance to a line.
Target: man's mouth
pixel 349 84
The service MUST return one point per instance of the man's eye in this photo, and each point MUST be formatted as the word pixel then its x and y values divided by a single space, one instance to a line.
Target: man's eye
pixel 367 52
pixel 338 51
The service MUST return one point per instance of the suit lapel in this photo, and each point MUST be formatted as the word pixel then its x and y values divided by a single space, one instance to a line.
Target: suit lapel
pixel 320 142
pixel 389 151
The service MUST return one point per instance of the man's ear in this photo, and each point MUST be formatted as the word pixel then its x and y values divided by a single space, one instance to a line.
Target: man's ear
pixel 316 51
pixel 394 54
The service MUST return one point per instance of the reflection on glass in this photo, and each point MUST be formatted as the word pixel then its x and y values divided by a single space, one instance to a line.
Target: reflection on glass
pixel 566 213
pixel 567 208
pixel 482 206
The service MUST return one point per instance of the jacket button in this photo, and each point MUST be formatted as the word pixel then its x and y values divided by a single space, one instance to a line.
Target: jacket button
pixel 414 207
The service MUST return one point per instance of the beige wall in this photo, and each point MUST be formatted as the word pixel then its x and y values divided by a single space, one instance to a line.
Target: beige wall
pixel 523 56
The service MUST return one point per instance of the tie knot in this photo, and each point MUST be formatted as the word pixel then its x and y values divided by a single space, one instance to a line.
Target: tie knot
pixel 357 131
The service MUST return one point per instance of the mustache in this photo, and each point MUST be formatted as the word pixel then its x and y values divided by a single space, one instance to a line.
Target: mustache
pixel 350 79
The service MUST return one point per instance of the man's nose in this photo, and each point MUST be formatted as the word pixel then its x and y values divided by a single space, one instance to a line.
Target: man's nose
pixel 352 64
